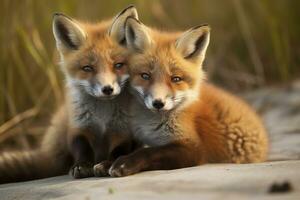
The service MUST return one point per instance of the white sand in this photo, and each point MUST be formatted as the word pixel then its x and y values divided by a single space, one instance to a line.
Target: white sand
pixel 203 182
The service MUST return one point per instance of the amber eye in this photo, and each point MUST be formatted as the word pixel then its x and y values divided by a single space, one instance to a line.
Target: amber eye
pixel 145 76
pixel 88 68
pixel 118 65
pixel 176 79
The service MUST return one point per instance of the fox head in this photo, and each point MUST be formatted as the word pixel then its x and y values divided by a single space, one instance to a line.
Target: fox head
pixel 166 68
pixel 93 58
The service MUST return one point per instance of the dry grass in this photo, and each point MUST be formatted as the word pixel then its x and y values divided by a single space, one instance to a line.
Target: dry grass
pixel 254 43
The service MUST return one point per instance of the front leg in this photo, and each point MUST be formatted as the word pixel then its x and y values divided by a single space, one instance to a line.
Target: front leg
pixel 119 145
pixel 101 150
pixel 170 156
pixel 83 157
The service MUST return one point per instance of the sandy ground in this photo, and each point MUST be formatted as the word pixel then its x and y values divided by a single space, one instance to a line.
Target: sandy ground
pixel 204 182
pixel 280 109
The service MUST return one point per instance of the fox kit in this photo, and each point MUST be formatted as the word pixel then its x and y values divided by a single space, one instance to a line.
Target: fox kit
pixel 182 119
pixel 92 126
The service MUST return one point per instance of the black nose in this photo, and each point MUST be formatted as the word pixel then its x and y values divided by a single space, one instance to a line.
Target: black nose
pixel 158 104
pixel 107 90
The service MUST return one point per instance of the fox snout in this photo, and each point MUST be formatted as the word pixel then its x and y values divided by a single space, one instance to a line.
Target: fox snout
pixel 159 104
pixel 160 98
pixel 154 104
pixel 96 88
pixel 105 90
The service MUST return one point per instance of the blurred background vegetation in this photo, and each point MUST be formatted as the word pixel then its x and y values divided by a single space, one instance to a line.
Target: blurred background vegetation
pixel 254 43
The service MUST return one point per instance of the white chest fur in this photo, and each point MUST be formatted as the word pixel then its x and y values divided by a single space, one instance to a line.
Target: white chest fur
pixel 152 128
pixel 99 115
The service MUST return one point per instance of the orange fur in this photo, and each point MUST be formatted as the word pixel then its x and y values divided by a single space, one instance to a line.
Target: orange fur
pixel 228 128
pixel 224 127
pixel 99 51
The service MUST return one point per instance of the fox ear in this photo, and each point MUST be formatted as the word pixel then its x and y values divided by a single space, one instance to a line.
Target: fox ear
pixel 136 34
pixel 117 29
pixel 67 33
pixel 193 43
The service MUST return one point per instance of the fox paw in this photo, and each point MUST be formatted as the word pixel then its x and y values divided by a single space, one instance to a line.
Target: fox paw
pixel 123 167
pixel 81 171
pixel 101 169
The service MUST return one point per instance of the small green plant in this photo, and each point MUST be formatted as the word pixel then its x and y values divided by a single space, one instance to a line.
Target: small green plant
pixel 111 191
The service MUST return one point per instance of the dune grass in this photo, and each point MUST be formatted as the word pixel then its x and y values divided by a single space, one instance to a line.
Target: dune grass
pixel 254 43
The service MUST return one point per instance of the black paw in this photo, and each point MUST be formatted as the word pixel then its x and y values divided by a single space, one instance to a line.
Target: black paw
pixel 82 171
pixel 123 166
pixel 101 169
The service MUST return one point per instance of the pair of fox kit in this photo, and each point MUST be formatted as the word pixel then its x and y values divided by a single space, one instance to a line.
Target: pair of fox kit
pixel 137 100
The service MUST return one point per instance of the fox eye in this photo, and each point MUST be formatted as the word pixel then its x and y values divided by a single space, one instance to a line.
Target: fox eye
pixel 176 79
pixel 88 68
pixel 118 65
pixel 145 76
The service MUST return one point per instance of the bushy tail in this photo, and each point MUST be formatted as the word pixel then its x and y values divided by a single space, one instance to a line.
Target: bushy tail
pixel 52 158
pixel 28 165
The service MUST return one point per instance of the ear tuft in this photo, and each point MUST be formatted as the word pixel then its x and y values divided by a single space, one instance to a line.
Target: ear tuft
pixel 67 32
pixel 117 29
pixel 193 43
pixel 137 36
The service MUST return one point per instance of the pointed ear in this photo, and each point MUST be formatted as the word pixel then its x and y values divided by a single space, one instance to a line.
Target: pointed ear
pixel 192 44
pixel 117 29
pixel 136 34
pixel 67 33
